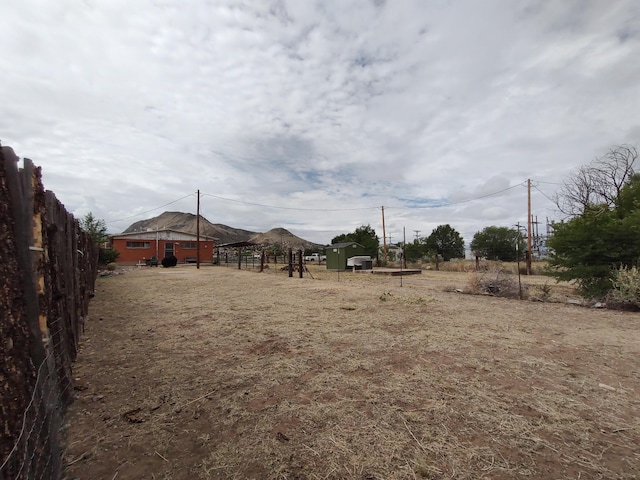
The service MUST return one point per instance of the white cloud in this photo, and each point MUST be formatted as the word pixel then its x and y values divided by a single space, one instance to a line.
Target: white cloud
pixel 336 107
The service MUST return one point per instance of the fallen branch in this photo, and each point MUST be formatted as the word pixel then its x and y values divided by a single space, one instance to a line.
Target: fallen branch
pixel 196 399
pixel 607 387
pixel 81 457
pixel 160 455
pixel 411 433
pixel 622 429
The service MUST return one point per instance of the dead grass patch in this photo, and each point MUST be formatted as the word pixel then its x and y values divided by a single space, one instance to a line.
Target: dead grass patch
pixel 234 374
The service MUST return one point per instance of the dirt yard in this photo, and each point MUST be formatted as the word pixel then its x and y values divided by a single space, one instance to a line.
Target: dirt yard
pixel 224 374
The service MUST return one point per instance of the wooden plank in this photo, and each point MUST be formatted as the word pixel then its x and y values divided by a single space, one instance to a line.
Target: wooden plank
pixel 21 199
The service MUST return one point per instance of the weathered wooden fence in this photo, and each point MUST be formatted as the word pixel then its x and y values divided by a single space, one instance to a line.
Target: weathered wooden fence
pixel 48 267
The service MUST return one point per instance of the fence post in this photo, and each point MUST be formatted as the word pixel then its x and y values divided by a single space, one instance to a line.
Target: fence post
pixel 20 203
pixel 300 266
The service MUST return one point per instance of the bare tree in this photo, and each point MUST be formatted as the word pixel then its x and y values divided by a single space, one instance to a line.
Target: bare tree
pixel 598 183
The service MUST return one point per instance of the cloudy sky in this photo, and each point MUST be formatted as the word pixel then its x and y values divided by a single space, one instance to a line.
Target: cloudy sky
pixel 313 115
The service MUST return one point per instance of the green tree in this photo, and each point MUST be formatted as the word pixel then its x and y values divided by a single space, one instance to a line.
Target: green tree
pixel 445 241
pixel 416 250
pixel 590 248
pixel 97 230
pixel 276 249
pixel 365 236
pixel 498 243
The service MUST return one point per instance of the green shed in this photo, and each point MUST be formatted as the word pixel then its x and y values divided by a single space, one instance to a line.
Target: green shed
pixel 339 253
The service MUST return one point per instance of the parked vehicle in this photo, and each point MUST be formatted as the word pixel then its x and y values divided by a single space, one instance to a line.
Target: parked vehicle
pixel 315 257
pixel 360 262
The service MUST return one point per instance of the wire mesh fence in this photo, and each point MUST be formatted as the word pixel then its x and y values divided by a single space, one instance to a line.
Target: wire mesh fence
pixel 36 455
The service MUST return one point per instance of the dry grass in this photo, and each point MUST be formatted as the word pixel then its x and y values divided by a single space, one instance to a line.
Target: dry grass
pixel 234 374
pixel 537 268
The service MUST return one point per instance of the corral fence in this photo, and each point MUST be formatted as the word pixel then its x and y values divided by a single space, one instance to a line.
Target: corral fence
pixel 291 262
pixel 48 267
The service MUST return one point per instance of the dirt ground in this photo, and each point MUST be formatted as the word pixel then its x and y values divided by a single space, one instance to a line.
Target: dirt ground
pixel 218 373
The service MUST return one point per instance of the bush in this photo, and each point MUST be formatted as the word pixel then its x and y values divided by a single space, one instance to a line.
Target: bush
pixel 497 283
pixel 111 266
pixel 626 286
pixel 545 291
pixel 170 261
pixel 108 255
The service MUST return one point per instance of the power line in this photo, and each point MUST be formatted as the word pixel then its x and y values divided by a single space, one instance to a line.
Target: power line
pixel 288 208
pixel 364 208
pixel 149 211
pixel 317 209
pixel 463 201
pixel 544 194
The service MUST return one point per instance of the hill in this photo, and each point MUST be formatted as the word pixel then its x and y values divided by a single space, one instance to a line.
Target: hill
pixel 187 222
pixel 282 236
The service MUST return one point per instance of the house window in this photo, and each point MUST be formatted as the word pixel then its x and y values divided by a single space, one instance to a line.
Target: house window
pixel 138 244
pixel 193 245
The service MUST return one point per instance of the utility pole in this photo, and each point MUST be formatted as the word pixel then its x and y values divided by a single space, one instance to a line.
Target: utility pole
pixel 529 227
pixel 536 234
pixel 404 236
pixel 518 261
pixel 384 236
pixel 198 233
pixel 417 234
pixel 404 245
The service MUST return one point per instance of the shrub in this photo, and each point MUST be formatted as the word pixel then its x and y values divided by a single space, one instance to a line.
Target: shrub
pixel 385 296
pixel 170 261
pixel 497 283
pixel 626 286
pixel 108 255
pixel 545 291
pixel 111 266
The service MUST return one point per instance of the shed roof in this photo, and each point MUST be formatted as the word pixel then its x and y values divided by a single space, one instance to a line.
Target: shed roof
pixel 236 244
pixel 344 245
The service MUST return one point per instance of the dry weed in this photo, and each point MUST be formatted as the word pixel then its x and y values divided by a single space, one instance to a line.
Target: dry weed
pixel 495 283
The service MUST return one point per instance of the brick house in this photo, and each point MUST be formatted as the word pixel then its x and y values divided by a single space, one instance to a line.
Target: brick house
pixel 137 247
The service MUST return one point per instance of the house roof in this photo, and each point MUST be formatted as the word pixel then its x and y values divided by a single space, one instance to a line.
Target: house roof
pixel 343 245
pixel 164 230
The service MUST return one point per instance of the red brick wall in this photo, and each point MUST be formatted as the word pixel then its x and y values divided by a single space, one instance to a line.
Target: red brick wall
pixel 130 256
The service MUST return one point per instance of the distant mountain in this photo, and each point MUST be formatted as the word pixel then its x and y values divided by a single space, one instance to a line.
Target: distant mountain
pixel 282 236
pixel 187 222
